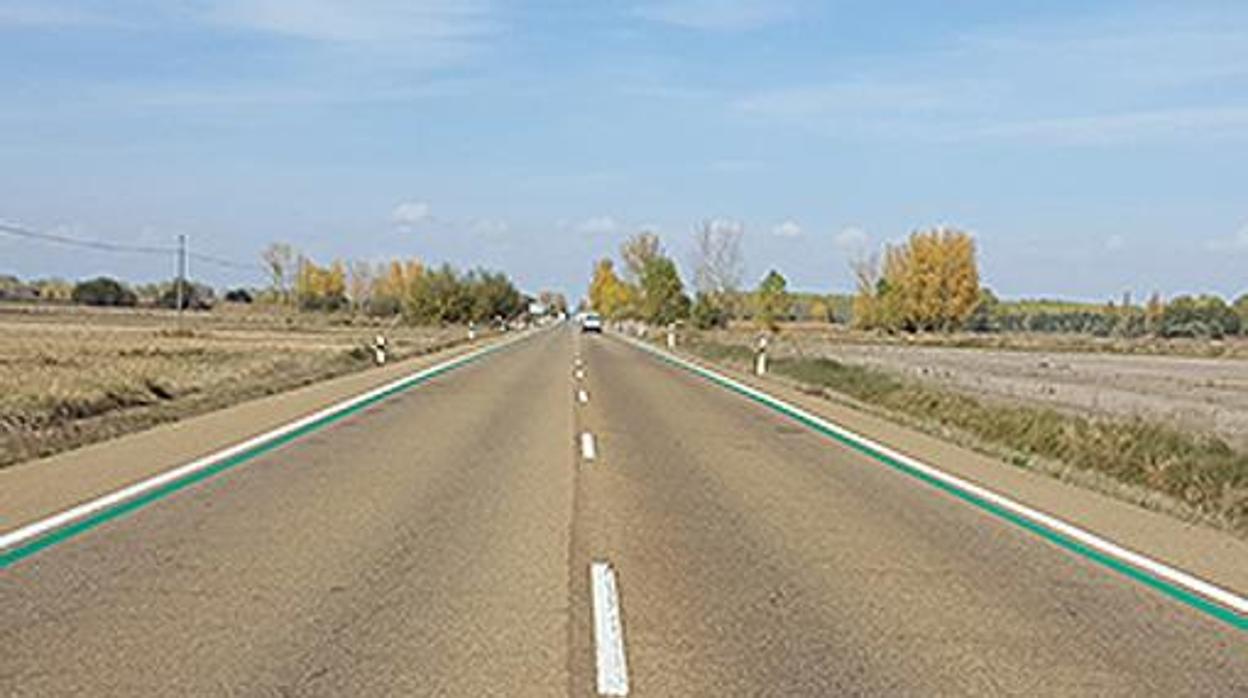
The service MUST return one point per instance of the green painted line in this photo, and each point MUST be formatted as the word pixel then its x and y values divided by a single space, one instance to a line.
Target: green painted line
pixel 59 535
pixel 1144 577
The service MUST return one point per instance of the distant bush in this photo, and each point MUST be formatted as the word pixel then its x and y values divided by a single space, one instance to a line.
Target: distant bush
pixel 707 314
pixel 1201 316
pixel 194 296
pixel 103 291
pixel 238 295
pixel 1241 309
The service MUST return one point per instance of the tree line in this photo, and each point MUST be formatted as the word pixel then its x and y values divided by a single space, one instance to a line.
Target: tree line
pixel 647 285
pixel 396 288
pixel 401 289
pixel 929 282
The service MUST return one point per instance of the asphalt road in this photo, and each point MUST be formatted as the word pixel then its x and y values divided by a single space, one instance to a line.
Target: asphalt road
pixel 440 543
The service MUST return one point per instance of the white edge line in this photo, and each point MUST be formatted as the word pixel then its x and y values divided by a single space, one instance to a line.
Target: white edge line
pixel 1160 569
pixel 588 449
pixel 38 528
pixel 612 664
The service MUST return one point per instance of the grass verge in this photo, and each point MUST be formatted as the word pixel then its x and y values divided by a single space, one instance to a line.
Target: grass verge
pixel 1202 472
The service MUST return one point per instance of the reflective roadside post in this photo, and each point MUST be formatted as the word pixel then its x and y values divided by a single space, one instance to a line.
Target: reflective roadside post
pixel 472 331
pixel 379 349
pixel 760 356
pixel 671 335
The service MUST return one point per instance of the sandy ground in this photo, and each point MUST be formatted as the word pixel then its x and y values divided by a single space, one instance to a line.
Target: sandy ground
pixel 1206 395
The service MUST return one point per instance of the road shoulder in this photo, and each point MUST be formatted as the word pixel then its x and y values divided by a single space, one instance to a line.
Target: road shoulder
pixel 35 489
pixel 1215 556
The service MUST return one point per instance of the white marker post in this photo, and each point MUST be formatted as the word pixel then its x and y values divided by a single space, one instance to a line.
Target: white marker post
pixel 379 350
pixel 671 336
pixel 760 358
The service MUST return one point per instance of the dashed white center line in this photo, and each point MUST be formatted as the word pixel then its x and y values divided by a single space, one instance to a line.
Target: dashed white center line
pixel 580 374
pixel 582 397
pixel 589 450
pixel 608 632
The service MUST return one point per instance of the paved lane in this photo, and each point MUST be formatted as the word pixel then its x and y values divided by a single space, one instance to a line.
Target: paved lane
pixel 419 548
pixel 441 543
pixel 758 558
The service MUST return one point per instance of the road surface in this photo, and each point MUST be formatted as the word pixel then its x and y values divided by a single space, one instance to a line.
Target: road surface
pixel 441 542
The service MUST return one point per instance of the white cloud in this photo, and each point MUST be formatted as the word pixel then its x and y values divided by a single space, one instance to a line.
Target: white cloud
pixel 489 227
pixel 1127 127
pixel 1113 243
pixel 719 15
pixel 1235 243
pixel 46 14
pixel 851 239
pixel 727 226
pixel 392 21
pixel 598 225
pixel 787 229
pixel 411 213
pixel 855 97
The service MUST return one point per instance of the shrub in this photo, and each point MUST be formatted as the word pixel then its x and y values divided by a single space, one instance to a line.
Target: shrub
pixel 707 314
pixel 238 295
pixel 194 296
pixel 103 291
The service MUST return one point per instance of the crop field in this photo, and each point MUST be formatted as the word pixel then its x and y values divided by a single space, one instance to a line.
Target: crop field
pixel 1176 426
pixel 1155 381
pixel 71 376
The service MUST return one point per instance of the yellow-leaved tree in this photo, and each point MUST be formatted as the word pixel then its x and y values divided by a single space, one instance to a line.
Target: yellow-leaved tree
pixel 608 294
pixel 929 282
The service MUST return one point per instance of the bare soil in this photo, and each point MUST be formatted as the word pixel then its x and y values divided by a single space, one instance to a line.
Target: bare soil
pixel 1206 395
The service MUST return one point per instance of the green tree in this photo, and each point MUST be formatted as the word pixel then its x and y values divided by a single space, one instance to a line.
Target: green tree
pixel 103 291
pixel 1241 309
pixel 663 299
pixel 771 301
pixel 438 296
pixel 707 314
pixel 1200 316
pixel 493 295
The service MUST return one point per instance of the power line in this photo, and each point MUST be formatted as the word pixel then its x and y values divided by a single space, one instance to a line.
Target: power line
pixel 16 231
pixel 76 242
pixel 228 264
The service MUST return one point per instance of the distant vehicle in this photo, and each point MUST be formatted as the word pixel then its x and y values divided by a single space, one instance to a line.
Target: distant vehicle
pixel 591 322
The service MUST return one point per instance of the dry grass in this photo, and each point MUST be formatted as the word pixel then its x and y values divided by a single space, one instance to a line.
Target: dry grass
pixel 72 376
pixel 1199 473
pixel 1228 348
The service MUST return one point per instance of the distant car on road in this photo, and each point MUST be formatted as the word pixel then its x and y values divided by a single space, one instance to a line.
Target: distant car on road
pixel 591 322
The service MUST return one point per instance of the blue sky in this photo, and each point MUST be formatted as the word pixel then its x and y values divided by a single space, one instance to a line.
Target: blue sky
pixel 1092 148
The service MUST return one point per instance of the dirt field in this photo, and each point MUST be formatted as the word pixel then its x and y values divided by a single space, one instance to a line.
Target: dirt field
pixel 71 376
pixel 1201 394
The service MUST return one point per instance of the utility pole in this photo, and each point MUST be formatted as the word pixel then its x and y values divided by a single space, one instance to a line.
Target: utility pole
pixel 180 283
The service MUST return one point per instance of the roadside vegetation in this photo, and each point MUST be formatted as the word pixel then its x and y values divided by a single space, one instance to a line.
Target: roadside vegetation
pixel 71 376
pixel 1201 471
pixel 927 292
pixel 87 360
